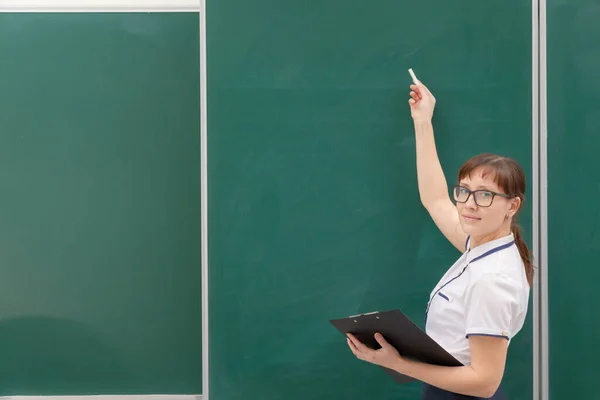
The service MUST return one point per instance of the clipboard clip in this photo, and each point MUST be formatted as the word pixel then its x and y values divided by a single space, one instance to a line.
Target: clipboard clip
pixel 360 315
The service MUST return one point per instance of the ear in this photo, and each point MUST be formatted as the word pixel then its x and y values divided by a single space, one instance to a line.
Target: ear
pixel 515 204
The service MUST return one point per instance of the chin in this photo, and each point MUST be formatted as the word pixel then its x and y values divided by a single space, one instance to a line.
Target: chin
pixel 472 230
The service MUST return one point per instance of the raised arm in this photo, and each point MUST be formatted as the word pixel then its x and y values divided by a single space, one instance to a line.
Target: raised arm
pixel 433 189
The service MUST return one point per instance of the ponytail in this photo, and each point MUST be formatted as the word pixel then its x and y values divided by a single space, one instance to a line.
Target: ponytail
pixel 523 251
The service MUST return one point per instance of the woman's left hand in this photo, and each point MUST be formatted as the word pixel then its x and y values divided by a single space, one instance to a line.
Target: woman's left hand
pixel 387 356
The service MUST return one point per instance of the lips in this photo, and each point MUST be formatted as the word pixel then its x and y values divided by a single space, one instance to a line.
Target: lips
pixel 471 217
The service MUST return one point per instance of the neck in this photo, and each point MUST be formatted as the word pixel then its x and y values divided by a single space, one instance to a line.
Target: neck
pixel 479 240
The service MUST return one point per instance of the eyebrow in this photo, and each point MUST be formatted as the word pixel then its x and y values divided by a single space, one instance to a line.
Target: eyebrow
pixel 481 187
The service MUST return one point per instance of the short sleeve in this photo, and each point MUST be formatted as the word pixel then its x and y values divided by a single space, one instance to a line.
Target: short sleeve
pixel 492 304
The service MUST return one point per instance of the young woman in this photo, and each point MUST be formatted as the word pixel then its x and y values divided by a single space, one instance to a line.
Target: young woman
pixel 480 303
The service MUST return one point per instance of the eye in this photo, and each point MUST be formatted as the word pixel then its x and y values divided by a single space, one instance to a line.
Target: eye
pixel 463 191
pixel 485 195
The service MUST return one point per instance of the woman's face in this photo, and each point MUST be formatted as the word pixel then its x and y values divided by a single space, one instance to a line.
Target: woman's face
pixel 484 213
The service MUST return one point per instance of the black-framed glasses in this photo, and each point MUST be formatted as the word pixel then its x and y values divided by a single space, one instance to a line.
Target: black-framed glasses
pixel 483 198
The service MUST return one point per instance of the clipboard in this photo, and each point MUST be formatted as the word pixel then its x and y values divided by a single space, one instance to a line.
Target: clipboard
pixel 399 331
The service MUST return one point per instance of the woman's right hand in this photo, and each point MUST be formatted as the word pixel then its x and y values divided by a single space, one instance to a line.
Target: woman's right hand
pixel 421 103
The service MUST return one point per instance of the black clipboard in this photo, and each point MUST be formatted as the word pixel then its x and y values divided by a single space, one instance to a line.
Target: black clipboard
pixel 398 330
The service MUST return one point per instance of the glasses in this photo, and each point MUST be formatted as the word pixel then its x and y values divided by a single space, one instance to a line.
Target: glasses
pixel 483 198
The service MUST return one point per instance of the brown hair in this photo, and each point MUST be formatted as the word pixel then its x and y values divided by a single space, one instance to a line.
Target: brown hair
pixel 510 177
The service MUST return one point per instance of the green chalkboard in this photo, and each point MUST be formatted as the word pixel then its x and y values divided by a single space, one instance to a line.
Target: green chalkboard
pixel 100 190
pixel 314 211
pixel 573 215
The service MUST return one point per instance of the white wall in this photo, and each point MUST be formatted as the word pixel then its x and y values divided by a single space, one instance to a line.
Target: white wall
pixel 98 5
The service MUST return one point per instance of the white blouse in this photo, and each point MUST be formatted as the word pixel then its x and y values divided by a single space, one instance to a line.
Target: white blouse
pixel 485 292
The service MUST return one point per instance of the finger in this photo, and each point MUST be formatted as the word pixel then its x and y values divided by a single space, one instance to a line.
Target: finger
pixel 357 353
pixel 412 102
pixel 421 93
pixel 415 96
pixel 381 340
pixel 361 347
pixel 423 89
pixel 352 347
pixel 355 341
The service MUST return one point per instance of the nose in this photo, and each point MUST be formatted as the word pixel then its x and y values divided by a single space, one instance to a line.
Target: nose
pixel 471 202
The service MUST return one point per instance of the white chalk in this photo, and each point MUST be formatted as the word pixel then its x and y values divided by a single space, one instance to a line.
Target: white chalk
pixel 412 74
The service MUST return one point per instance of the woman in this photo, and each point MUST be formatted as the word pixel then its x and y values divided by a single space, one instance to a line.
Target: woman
pixel 480 303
